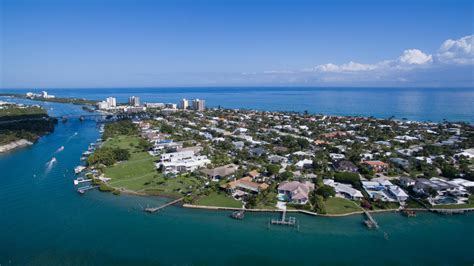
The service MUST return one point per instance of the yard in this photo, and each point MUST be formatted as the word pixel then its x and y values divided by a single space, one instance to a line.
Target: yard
pixel 336 205
pixel 218 200
pixel 139 172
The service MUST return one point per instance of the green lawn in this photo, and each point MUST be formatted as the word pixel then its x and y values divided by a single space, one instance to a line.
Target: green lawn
pixel 139 172
pixel 219 200
pixel 336 205
pixel 123 142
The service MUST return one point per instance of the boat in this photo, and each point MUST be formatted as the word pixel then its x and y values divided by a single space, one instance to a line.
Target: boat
pixel 79 169
pixel 239 215
pixel 409 213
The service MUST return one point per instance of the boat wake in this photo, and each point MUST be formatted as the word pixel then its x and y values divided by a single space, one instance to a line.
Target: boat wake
pixel 50 164
pixel 73 135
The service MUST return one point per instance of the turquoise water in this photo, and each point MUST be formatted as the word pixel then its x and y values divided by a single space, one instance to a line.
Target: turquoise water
pixel 422 104
pixel 43 221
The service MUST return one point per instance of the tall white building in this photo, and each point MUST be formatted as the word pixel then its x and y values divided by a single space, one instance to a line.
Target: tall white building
pixel 199 105
pixel 111 102
pixel 134 101
pixel 184 104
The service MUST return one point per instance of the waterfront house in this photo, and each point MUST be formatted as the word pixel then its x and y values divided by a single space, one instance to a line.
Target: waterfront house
pixel 295 192
pixel 220 172
pixel 384 190
pixel 184 161
pixel 245 185
pixel 344 190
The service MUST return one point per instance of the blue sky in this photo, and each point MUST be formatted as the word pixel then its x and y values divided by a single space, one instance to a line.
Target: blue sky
pixel 64 44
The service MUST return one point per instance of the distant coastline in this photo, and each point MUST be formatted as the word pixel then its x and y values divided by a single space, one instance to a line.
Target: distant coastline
pixel 415 104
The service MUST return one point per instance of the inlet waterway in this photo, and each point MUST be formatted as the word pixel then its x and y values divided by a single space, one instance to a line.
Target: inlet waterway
pixel 44 221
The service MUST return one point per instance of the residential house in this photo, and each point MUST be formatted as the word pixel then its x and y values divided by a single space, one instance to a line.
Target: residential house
pixel 345 166
pixel 305 163
pixel 220 172
pixel 344 190
pixel 377 166
pixel 295 192
pixel 384 190
pixel 406 181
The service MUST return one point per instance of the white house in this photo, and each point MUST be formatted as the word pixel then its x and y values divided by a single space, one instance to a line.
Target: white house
pixel 344 190
pixel 304 163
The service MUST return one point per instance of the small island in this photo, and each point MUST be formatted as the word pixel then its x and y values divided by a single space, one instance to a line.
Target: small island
pixel 272 161
pixel 21 125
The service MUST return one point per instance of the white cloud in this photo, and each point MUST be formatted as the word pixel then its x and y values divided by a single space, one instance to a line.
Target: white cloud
pixel 458 51
pixel 451 64
pixel 415 57
pixel 348 67
pixel 278 72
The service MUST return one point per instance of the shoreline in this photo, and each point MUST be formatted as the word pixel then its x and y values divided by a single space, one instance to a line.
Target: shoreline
pixel 215 208
pixel 17 144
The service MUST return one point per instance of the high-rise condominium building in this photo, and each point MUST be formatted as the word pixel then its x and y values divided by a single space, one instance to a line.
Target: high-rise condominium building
pixel 134 101
pixel 184 104
pixel 111 101
pixel 199 105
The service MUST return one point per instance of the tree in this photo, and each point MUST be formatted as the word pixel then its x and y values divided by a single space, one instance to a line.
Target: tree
pixel 317 202
pixel 121 154
pixel 285 176
pixel 326 191
pixel 144 145
pixel 273 169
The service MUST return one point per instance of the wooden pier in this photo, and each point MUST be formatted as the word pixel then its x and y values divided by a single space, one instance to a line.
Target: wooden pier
pixel 83 190
pixel 370 222
pixel 291 221
pixel 238 215
pixel 81 180
pixel 155 209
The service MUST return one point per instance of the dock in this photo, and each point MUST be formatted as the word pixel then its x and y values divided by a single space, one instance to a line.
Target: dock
pixel 155 209
pixel 83 190
pixel 81 180
pixel 370 222
pixel 238 215
pixel 290 221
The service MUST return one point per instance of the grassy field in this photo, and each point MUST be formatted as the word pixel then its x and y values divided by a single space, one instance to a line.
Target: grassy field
pixel 336 205
pixel 139 172
pixel 123 142
pixel 219 200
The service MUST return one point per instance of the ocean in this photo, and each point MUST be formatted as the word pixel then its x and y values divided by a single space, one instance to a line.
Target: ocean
pixel 44 221
pixel 421 104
